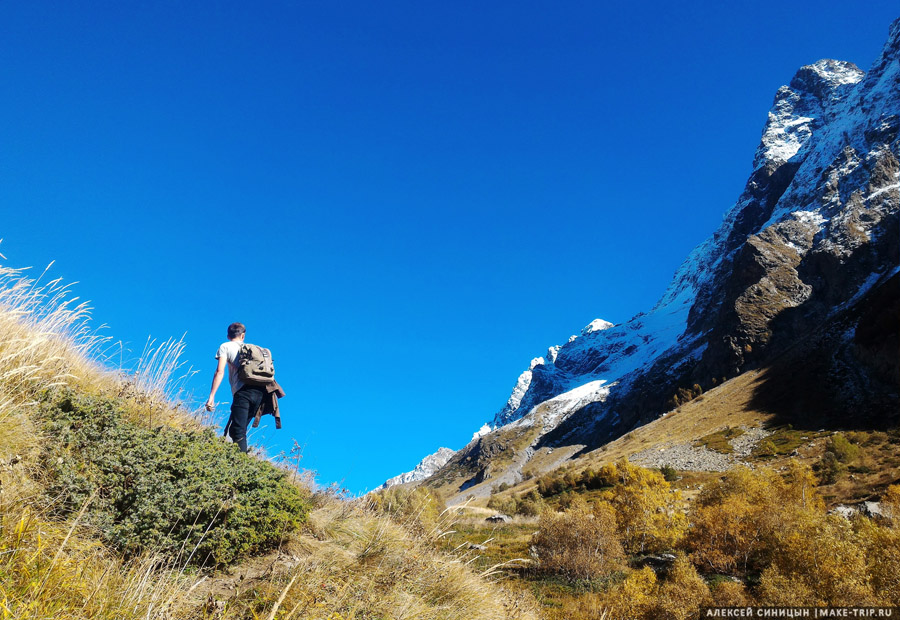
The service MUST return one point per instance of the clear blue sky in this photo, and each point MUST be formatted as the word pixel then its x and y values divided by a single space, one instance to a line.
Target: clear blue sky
pixel 405 201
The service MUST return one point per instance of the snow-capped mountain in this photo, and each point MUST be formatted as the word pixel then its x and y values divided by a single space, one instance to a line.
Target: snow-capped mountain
pixel 534 385
pixel 802 266
pixel 424 469
pixel 816 143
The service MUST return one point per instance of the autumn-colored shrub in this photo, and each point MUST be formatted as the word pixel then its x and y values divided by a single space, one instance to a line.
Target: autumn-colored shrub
pixel 730 593
pixel 634 597
pixel 821 553
pixel 643 596
pixel 529 506
pixel 738 523
pixel 648 510
pixel 829 468
pixel 505 505
pixel 777 589
pixel 581 543
pixel 890 502
pixel 560 482
pixel 882 550
pixel 682 593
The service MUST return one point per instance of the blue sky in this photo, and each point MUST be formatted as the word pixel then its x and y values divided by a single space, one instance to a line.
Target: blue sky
pixel 405 201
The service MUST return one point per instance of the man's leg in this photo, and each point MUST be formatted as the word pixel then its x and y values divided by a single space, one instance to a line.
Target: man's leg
pixel 240 414
pixel 244 406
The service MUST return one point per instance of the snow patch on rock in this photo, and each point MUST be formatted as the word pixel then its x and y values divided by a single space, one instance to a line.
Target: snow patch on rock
pixel 424 469
pixel 596 325
pixel 481 432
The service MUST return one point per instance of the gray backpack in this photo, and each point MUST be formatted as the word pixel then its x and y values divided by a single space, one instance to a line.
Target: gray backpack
pixel 255 364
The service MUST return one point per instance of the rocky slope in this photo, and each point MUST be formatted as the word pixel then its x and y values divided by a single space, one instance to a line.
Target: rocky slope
pixel 801 275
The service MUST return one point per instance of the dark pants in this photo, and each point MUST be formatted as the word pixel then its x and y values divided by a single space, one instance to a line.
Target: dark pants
pixel 244 406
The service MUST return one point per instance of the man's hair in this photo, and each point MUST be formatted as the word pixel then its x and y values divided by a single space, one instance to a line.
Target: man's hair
pixel 235 330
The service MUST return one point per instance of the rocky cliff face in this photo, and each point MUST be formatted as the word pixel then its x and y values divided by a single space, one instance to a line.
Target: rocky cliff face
pixel 424 469
pixel 802 271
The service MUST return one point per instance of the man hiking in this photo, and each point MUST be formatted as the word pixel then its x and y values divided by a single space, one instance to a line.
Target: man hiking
pixel 246 399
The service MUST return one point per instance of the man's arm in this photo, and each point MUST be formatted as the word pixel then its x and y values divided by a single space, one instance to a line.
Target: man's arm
pixel 217 381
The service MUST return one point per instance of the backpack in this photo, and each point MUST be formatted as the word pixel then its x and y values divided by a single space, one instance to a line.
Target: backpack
pixel 255 365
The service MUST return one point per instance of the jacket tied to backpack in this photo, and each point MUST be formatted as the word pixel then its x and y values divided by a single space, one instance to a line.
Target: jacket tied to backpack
pixel 269 404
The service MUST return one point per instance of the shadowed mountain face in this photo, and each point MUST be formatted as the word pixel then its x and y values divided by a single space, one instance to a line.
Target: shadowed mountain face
pixel 801 278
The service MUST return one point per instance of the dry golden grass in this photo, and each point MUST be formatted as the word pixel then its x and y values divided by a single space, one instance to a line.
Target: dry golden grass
pixel 358 564
pixel 728 405
pixel 351 563
pixel 50 570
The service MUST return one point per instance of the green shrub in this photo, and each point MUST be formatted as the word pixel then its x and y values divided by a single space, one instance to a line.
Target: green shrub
pixel 185 494
pixel 669 473
pixel 845 451
pixel 829 468
pixel 557 483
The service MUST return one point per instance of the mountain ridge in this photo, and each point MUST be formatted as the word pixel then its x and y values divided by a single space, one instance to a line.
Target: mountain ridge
pixel 810 234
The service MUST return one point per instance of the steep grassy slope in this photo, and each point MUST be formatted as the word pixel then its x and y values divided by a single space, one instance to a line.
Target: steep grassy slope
pixel 116 503
pixel 737 404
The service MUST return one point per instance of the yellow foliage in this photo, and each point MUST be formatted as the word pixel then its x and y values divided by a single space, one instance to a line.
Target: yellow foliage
pixel 726 536
pixel 883 558
pixel 739 522
pixel 609 472
pixel 647 509
pixel 799 488
pixel 891 503
pixel 634 598
pixel 579 543
pixel 824 554
pixel 586 605
pixel 641 596
pixel 777 589
pixel 730 594
pixel 682 593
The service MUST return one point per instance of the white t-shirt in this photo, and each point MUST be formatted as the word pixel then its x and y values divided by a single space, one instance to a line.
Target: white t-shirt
pixel 230 351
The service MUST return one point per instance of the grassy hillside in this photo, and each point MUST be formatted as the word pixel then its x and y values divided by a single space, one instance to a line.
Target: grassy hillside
pixel 117 503
pixel 758 532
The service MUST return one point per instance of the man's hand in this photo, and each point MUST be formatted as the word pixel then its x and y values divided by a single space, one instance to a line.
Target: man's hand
pixel 217 380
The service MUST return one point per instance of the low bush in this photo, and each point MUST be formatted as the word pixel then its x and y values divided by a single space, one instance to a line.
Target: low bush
pixel 669 473
pixel 829 468
pixel 845 451
pixel 530 504
pixel 560 482
pixel 580 543
pixel 187 495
